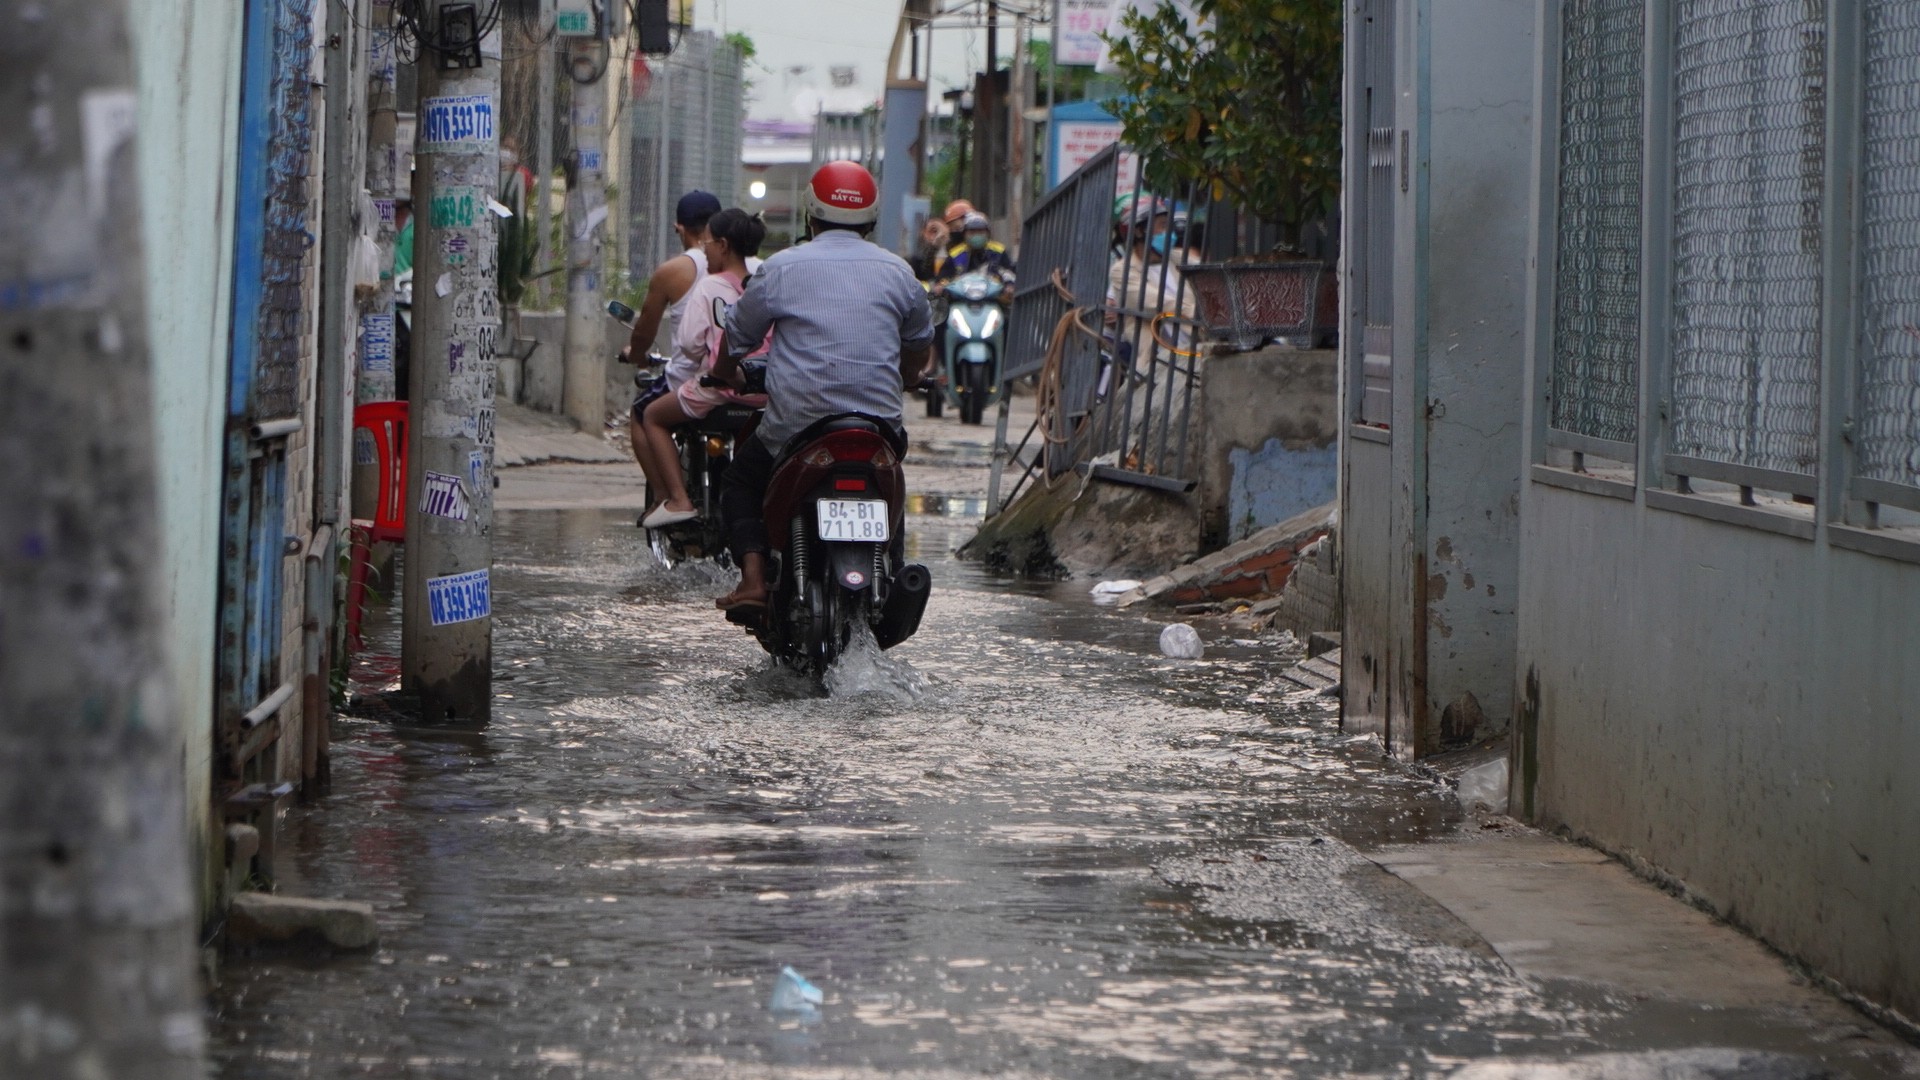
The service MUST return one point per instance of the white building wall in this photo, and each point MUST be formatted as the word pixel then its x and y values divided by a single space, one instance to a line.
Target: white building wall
pixel 188 54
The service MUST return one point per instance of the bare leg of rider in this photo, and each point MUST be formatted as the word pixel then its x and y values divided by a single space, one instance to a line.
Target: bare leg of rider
pixel 657 425
pixel 643 455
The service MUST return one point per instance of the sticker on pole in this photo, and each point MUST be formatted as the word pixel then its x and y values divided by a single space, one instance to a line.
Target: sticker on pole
pixel 456 124
pixel 459 598
pixel 444 497
pixel 376 344
pixel 364 450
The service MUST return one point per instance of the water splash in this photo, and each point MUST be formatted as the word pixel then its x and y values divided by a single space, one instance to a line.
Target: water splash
pixel 864 669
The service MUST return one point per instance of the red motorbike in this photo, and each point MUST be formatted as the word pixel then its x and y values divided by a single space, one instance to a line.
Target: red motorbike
pixel 835 510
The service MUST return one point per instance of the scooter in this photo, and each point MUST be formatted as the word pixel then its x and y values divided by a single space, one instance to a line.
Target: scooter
pixel 976 339
pixel 835 510
pixel 706 449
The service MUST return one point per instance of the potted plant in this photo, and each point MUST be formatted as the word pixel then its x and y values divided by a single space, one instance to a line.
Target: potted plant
pixel 1242 98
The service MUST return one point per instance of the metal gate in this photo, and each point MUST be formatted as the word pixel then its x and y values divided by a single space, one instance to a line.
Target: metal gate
pixel 1108 335
pixel 263 410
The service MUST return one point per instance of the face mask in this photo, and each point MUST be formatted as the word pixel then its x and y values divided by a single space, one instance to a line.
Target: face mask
pixel 976 241
pixel 1160 244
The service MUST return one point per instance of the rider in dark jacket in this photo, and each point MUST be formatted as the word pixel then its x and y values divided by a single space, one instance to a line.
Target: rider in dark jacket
pixel 977 251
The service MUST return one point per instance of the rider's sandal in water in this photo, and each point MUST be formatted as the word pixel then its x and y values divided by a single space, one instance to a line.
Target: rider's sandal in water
pixel 744 605
pixel 660 517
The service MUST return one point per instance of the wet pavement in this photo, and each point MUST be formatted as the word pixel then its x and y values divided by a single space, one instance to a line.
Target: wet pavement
pixel 1023 844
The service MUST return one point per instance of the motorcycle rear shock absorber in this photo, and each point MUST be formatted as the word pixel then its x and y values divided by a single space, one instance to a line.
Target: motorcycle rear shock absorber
pixel 797 551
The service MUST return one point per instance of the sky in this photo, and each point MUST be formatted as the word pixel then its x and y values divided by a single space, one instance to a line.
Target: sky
pixel 801 42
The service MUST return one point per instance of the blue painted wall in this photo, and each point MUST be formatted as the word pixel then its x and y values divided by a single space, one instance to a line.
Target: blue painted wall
pixel 1273 483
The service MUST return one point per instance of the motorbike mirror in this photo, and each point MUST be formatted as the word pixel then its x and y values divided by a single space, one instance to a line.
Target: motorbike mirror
pixel 620 311
pixel 719 312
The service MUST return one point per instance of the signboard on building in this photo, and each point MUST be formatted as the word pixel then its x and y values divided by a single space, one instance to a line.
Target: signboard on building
pixel 1081 24
pixel 1075 142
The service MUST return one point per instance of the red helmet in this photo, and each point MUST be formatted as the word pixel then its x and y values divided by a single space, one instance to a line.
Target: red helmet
pixel 843 193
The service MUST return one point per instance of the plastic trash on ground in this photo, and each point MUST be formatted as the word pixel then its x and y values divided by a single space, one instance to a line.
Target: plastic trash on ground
pixel 1182 642
pixel 1485 785
pixel 792 993
pixel 1111 592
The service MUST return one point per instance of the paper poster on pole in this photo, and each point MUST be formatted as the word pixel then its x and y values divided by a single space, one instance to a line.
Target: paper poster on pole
pixel 444 496
pixel 455 125
pixel 376 344
pixel 459 598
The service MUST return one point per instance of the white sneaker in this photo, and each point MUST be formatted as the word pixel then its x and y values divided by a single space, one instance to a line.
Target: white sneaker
pixel 661 517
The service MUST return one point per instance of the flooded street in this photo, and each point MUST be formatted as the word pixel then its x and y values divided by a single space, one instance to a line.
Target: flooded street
pixel 1023 844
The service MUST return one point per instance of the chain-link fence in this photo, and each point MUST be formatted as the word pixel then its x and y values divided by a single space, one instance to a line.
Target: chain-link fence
pixel 1595 389
pixel 686 134
pixel 1749 109
pixel 1887 435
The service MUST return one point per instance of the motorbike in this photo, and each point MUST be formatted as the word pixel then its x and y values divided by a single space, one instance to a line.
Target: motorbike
pixel 932 385
pixel 706 448
pixel 976 339
pixel 835 510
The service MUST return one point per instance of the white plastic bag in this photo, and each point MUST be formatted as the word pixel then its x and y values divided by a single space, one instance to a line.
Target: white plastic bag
pixel 1485 785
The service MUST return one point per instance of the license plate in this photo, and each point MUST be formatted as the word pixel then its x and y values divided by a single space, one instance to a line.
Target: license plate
pixel 854 520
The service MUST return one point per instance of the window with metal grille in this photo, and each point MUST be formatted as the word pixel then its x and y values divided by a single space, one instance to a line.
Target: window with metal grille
pixel 1376 227
pixel 1595 378
pixel 1749 104
pixel 1887 425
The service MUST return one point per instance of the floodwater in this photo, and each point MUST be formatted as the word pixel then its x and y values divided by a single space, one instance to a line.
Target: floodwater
pixel 1023 844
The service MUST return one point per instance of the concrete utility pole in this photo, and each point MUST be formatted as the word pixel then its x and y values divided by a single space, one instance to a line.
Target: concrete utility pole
pixel 1017 152
pixel 376 375
pixel 446 640
pixel 97 959
pixel 379 334
pixel 543 153
pixel 585 383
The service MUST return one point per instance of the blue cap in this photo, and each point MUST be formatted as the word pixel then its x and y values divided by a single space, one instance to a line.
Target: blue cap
pixel 695 208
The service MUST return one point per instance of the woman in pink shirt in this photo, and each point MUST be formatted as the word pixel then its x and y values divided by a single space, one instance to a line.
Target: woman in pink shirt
pixel 734 236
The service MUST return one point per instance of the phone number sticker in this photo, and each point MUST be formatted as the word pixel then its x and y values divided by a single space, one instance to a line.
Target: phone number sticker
pixel 456 123
pixel 459 598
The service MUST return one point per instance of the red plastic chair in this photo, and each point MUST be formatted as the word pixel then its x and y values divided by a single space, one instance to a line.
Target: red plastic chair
pixel 386 423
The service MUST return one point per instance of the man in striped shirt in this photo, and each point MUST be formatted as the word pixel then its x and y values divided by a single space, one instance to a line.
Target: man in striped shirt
pixel 851 327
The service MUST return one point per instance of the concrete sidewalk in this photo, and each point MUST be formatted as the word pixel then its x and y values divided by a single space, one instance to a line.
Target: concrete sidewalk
pixel 523 436
pixel 1557 912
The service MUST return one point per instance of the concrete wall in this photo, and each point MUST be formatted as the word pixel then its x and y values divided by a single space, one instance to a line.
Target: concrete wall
pixel 1479 152
pixel 188 54
pixel 1429 502
pixel 542 378
pixel 1738 709
pixel 1269 445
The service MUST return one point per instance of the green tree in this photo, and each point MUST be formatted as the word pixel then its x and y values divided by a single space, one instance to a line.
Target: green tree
pixel 1246 100
pixel 1071 82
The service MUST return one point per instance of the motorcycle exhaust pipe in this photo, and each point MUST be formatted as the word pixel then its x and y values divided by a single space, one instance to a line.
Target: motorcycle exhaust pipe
pixel 906 603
